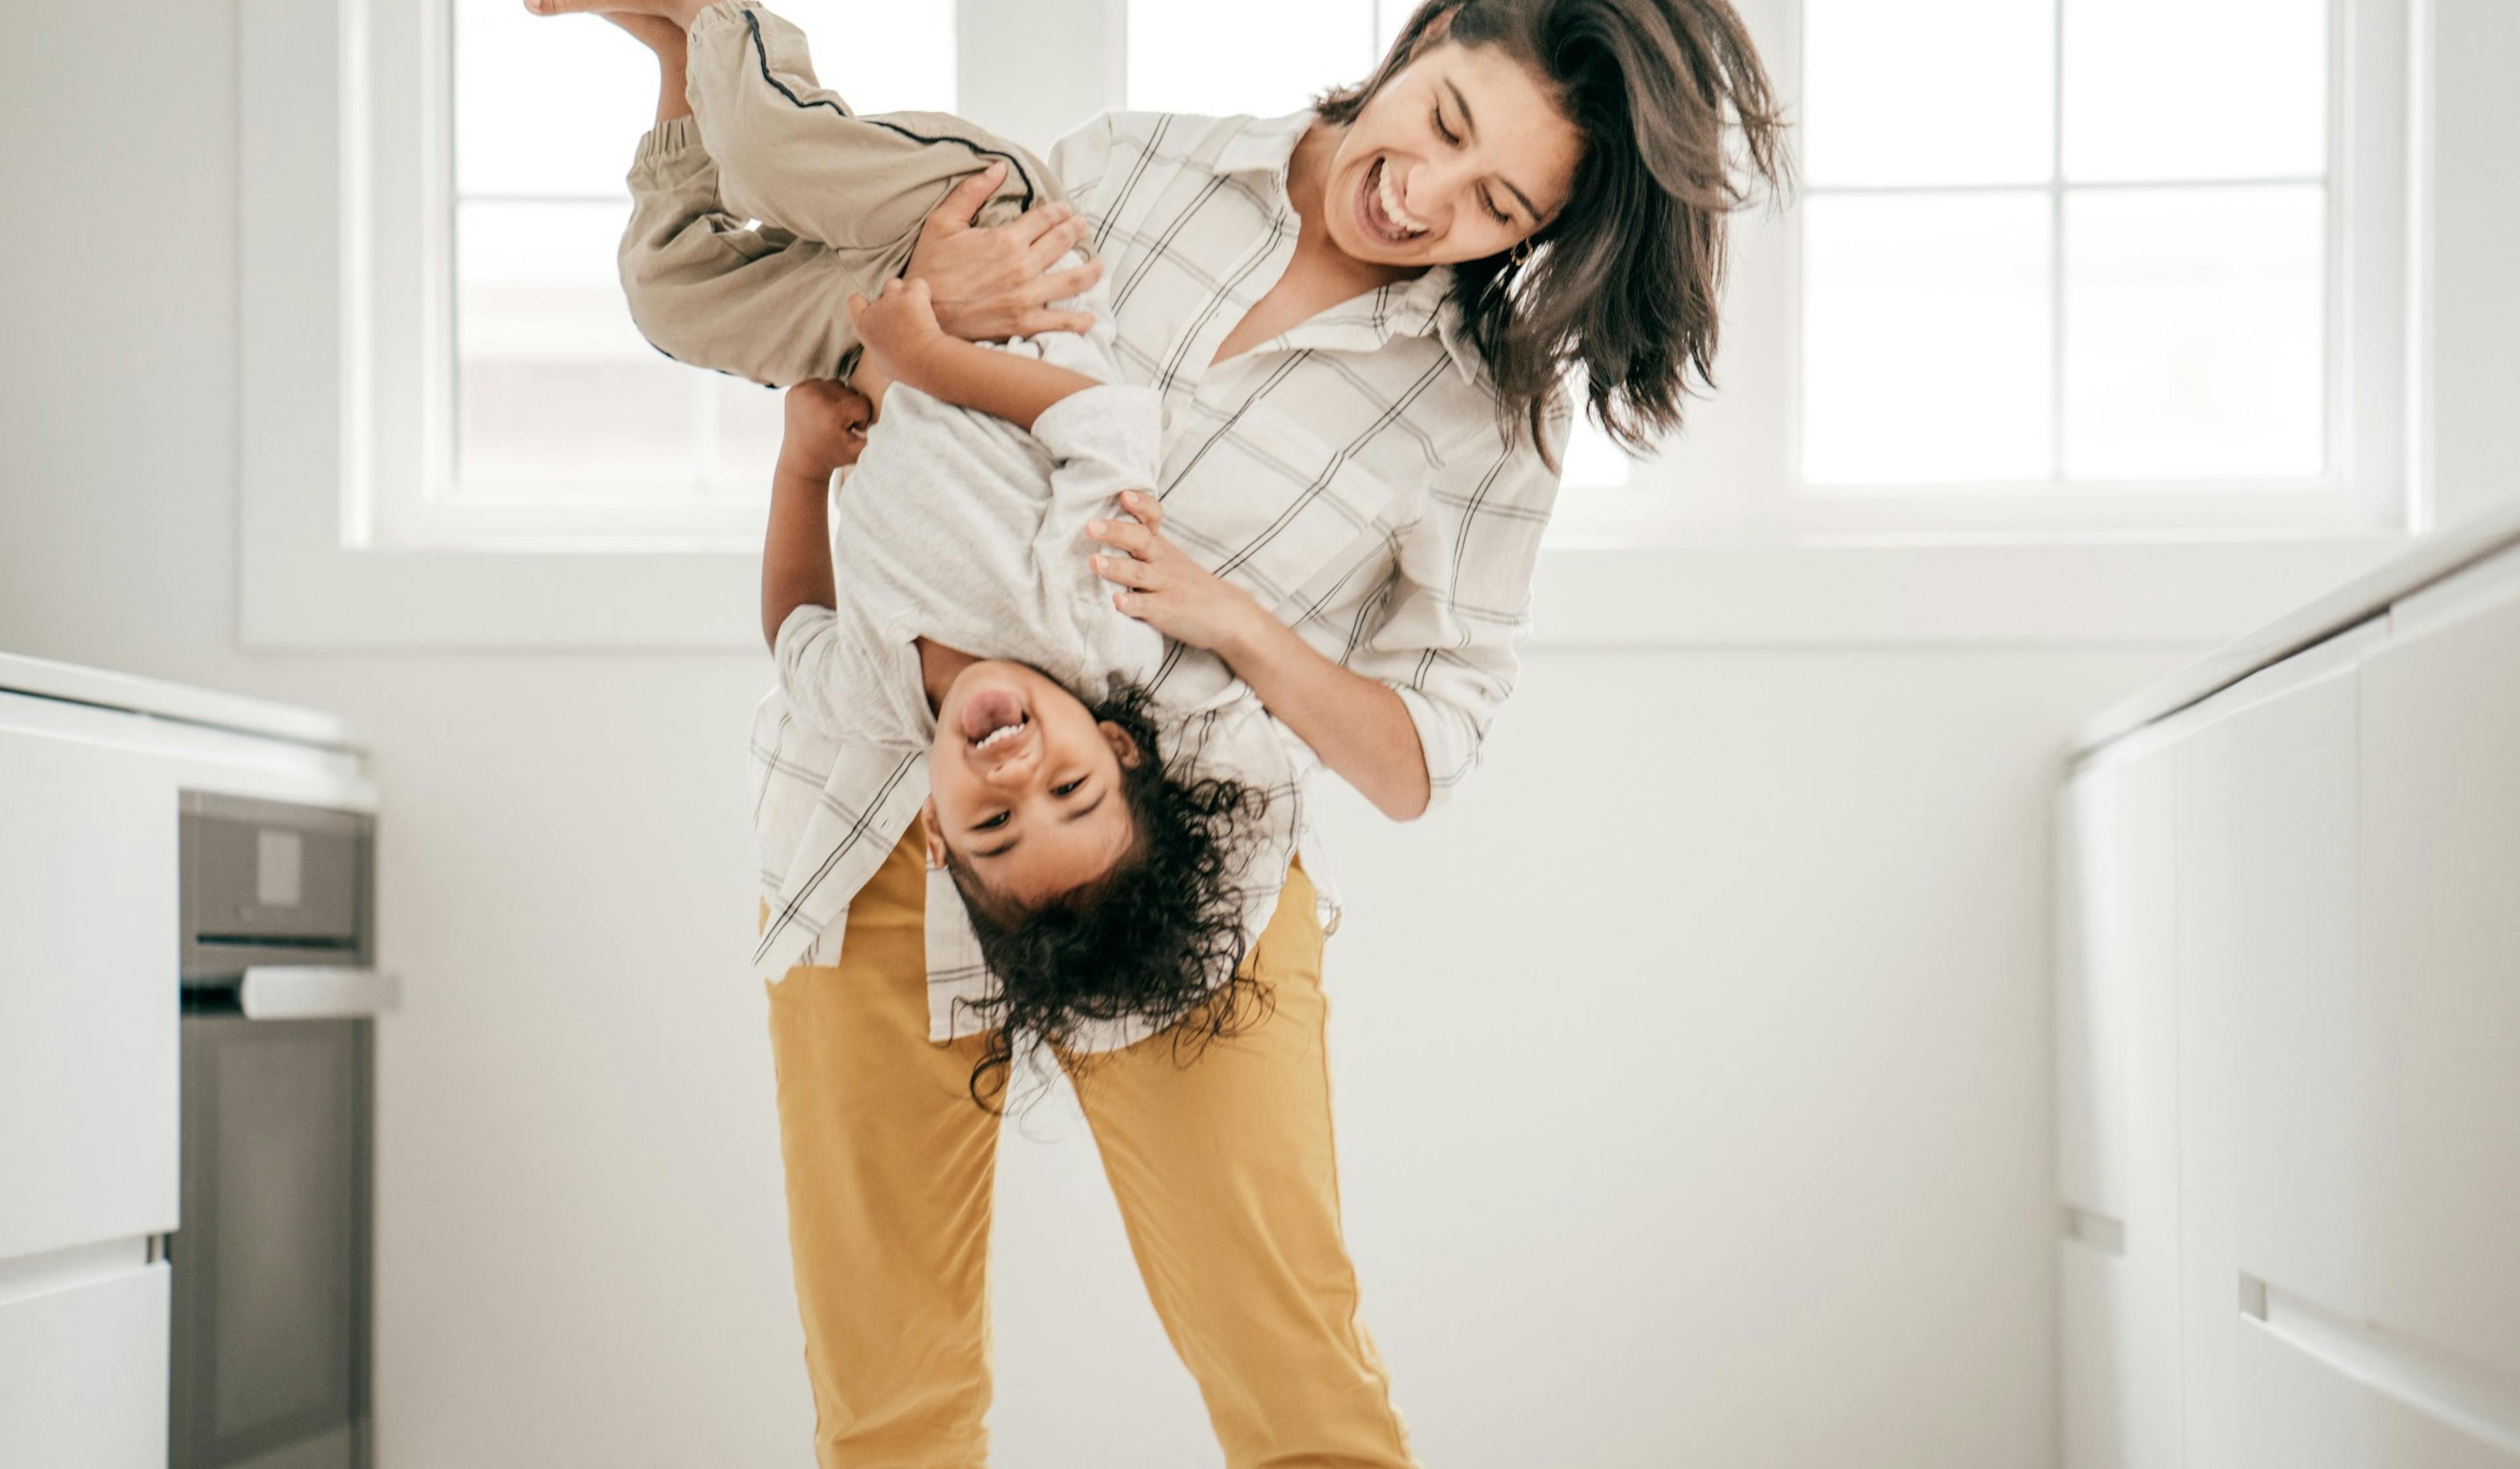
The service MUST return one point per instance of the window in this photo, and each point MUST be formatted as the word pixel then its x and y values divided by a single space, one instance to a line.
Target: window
pixel 2049 276
pixel 2081 241
pixel 2063 265
pixel 1177 63
pixel 563 417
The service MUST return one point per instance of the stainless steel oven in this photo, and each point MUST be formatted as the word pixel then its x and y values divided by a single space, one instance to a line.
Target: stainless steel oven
pixel 272 1254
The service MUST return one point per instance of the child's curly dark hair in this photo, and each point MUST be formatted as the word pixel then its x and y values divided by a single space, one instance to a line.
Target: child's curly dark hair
pixel 1148 938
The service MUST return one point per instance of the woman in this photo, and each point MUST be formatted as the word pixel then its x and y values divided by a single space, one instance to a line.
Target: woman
pixel 1359 317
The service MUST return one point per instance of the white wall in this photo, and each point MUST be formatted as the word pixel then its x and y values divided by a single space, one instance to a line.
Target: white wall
pixel 1692 1071
pixel 2466 229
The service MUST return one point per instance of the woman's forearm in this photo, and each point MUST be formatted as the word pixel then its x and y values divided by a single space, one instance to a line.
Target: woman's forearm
pixel 796 549
pixel 1358 725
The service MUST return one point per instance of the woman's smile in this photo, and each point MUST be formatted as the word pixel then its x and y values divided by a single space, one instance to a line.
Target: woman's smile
pixel 1379 205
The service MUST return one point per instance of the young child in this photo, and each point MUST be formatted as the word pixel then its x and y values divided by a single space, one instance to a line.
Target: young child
pixel 1109 890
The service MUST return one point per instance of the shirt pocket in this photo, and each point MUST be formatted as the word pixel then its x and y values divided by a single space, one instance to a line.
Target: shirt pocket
pixel 1281 513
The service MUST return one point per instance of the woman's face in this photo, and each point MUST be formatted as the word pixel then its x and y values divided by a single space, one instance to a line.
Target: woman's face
pixel 1024 785
pixel 1462 155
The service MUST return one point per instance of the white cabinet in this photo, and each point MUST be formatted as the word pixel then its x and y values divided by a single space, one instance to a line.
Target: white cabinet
pixel 2288 1057
pixel 88 1032
pixel 91 1040
pixel 2306 1414
pixel 2265 923
pixel 2117 1063
pixel 2438 1209
pixel 83 1371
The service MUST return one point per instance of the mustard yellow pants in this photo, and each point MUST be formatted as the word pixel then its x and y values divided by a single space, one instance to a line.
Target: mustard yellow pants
pixel 1223 1171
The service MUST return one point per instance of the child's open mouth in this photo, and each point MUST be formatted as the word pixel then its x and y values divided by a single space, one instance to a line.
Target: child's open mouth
pixel 992 717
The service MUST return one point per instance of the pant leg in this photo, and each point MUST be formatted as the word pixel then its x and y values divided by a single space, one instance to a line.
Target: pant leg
pixel 891 1166
pixel 794 156
pixel 1228 1180
pixel 711 290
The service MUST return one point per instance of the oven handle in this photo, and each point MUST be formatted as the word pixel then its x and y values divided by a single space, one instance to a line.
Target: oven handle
pixel 292 992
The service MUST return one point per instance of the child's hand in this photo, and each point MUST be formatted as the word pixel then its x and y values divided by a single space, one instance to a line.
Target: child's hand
pixel 899 328
pixel 827 423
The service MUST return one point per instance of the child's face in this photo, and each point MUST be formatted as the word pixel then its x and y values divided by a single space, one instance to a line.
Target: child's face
pixel 1024 785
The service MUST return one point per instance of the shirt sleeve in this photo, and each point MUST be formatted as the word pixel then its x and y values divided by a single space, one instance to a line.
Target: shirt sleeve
pixel 834 677
pixel 1461 596
pixel 1101 441
pixel 1081 159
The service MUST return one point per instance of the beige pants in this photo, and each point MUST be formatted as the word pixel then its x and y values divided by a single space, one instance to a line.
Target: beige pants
pixel 1225 1174
pixel 753 219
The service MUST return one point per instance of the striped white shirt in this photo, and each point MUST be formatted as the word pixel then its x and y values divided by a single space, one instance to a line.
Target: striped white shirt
pixel 1355 474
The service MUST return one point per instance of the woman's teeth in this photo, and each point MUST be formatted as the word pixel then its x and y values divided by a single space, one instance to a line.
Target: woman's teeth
pixel 1402 225
pixel 1000 732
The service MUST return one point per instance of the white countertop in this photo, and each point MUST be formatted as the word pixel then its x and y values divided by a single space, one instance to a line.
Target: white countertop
pixel 2425 560
pixel 71 683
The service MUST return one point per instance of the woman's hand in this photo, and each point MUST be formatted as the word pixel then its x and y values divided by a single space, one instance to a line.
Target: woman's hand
pixel 990 283
pixel 899 332
pixel 826 430
pixel 1165 589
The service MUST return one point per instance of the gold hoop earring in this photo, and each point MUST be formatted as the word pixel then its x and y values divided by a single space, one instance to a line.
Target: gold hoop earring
pixel 1521 252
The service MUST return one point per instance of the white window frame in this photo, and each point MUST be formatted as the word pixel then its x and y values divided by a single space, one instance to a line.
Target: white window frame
pixel 338 161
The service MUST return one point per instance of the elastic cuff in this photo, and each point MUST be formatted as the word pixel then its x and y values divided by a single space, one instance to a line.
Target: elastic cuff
pixel 666 139
pixel 730 13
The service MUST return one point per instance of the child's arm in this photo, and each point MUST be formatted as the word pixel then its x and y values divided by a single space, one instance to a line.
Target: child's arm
pixel 900 332
pixel 825 428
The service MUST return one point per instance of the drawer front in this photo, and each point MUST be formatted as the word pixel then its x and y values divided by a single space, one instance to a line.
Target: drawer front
pixel 2300 1411
pixel 84 1373
pixel 88 995
pixel 2435 1209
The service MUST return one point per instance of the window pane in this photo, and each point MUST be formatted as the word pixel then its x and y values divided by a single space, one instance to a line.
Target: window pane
pixel 556 389
pixel 750 418
pixel 2191 89
pixel 2194 331
pixel 1925 337
pixel 555 105
pixel 895 57
pixel 1928 92
pixel 546 105
pixel 1197 56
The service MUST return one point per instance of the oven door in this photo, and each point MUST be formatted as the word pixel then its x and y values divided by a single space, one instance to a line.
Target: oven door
pixel 272 1275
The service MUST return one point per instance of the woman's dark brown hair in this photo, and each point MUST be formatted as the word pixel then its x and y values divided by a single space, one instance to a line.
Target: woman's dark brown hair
pixel 1622 282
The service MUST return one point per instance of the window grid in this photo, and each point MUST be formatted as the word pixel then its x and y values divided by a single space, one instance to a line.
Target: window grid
pixel 2057 190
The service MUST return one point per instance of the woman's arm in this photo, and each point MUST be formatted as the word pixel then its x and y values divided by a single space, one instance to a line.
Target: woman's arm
pixel 1358 725
pixel 902 334
pixel 1442 652
pixel 825 428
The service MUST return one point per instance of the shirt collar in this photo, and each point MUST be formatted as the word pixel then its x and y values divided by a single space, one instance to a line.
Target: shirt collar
pixel 1263 145
pixel 1417 307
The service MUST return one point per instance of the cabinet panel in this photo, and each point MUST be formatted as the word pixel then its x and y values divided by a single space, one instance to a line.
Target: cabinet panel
pixel 2441 948
pixel 2118 1344
pixel 2092 1060
pixel 2266 984
pixel 84 1373
pixel 2298 1411
pixel 2119 1282
pixel 88 1036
